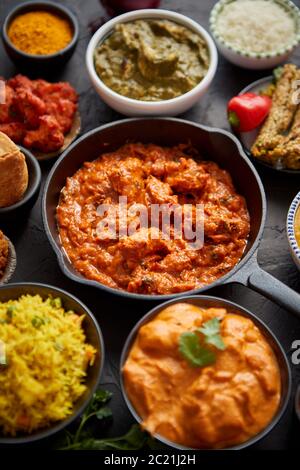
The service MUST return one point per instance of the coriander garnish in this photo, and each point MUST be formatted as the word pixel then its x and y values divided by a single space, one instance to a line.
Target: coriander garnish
pixel 193 348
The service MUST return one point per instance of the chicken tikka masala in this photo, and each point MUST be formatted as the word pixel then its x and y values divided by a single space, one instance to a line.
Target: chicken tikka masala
pixel 140 263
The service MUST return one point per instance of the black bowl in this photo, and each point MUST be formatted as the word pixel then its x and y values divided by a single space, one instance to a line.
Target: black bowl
pixel 43 63
pixel 208 302
pixel 93 336
pixel 34 182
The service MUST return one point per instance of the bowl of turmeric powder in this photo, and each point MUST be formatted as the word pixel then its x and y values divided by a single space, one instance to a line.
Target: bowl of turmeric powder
pixel 40 35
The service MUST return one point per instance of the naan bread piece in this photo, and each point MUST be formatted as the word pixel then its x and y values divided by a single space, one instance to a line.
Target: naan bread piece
pixel 13 172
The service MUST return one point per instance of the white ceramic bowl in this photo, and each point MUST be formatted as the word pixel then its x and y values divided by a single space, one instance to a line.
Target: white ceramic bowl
pixel 248 60
pixel 290 230
pixel 132 107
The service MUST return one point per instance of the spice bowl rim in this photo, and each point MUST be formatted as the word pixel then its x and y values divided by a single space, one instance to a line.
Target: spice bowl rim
pixel 213 301
pixel 257 56
pixel 33 6
pixel 156 106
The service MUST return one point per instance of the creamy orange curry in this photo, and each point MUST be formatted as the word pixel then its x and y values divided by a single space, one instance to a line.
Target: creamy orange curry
pixel 216 406
pixel 147 175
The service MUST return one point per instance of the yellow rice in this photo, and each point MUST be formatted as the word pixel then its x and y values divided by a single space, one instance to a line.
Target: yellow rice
pixel 46 361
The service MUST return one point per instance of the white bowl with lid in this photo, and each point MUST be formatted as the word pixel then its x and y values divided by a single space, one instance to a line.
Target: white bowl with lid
pixel 254 60
pixel 133 107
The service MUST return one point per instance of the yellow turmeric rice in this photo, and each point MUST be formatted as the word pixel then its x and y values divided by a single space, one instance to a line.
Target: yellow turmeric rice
pixel 43 362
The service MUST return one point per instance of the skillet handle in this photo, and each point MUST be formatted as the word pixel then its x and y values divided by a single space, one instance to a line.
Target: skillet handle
pixel 275 290
pixel 261 281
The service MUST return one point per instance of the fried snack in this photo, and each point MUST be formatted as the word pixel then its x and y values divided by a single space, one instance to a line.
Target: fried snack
pixel 279 138
pixel 3 253
pixel 289 149
pixel 13 172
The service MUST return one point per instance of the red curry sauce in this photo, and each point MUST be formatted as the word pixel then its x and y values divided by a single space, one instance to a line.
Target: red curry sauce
pixel 149 174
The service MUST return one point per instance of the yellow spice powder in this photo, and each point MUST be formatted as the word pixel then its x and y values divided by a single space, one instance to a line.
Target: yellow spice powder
pixel 40 33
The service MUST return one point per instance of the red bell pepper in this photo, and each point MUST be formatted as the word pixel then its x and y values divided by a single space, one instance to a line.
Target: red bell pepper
pixel 248 111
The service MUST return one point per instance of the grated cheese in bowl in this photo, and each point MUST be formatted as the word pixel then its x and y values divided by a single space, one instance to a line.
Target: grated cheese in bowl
pixel 256 26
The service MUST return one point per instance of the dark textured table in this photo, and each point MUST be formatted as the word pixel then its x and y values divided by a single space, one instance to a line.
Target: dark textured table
pixel 37 262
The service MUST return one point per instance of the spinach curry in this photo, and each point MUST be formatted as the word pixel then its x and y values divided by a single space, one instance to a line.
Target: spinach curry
pixel 152 60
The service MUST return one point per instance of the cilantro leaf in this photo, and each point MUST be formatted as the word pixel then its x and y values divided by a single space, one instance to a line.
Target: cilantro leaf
pixel 104 412
pixel 211 331
pixel 100 398
pixel 191 349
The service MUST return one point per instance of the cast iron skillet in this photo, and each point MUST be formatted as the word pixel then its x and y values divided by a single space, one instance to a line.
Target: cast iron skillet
pixel 205 301
pixel 94 336
pixel 213 144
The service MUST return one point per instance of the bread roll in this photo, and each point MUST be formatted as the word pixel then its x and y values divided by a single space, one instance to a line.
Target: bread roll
pixel 13 172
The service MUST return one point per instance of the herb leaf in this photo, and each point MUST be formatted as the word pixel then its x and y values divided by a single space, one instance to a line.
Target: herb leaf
pixel 104 412
pixel 100 398
pixel 135 439
pixel 192 350
pixel 211 331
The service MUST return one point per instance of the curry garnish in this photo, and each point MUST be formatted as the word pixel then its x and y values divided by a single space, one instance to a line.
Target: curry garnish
pixel 194 348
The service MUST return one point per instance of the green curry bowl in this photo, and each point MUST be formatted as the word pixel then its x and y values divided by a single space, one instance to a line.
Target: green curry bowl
pixel 151 63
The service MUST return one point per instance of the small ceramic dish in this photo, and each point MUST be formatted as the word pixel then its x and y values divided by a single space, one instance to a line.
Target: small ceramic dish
pixel 40 62
pixel 31 193
pixel 11 263
pixel 290 230
pixel 93 336
pixel 133 107
pixel 248 138
pixel 253 60
pixel 204 301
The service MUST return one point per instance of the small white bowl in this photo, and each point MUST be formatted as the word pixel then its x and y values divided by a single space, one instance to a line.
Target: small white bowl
pixel 132 107
pixel 253 60
pixel 290 230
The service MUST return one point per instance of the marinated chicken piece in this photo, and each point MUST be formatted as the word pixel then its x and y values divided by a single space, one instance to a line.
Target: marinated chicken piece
pixel 15 131
pixel 159 192
pixel 30 107
pixel 63 110
pixel 36 109
pixel 47 137
pixel 127 179
pixel 54 91
pixel 21 82
pixel 189 177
